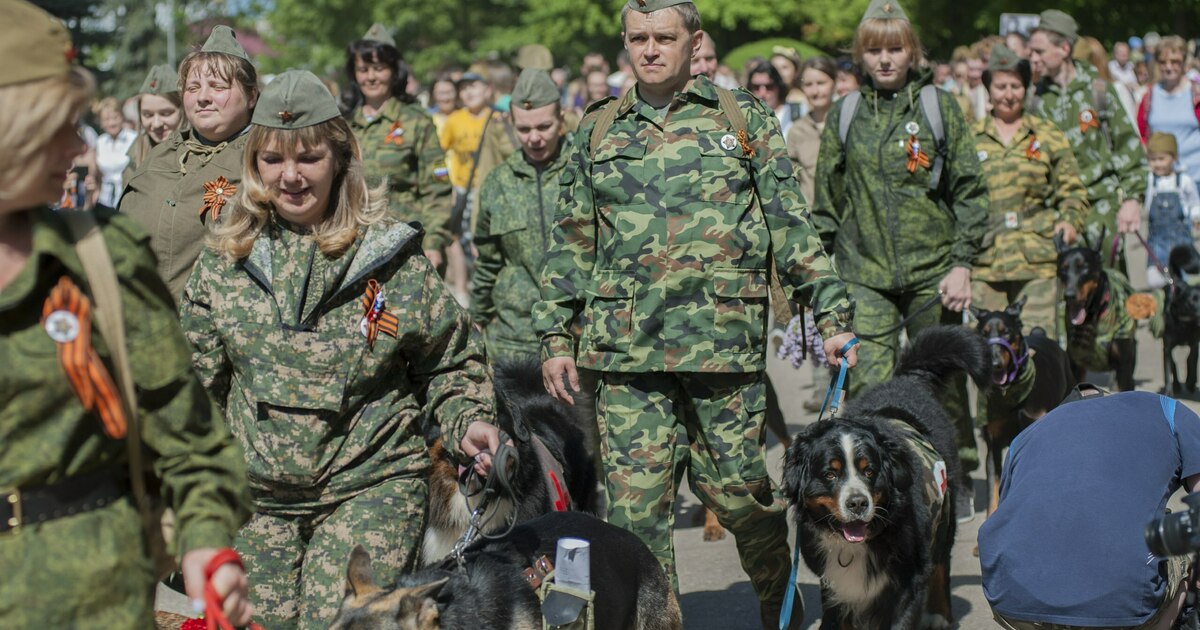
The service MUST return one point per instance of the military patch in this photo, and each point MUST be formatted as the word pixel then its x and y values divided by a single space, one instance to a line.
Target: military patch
pixel 728 142
pixel 1087 120
pixel 62 326
pixel 1011 221
pixel 912 128
pixel 940 479
pixel 982 155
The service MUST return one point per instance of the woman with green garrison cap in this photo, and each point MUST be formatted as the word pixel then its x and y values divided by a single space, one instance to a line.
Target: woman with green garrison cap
pixel 160 111
pixel 73 549
pixel 329 340
pixel 188 181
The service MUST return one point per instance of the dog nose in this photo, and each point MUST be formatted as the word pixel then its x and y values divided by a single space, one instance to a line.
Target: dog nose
pixel 858 504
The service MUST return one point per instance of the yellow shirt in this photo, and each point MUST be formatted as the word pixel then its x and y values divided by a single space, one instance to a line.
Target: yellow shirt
pixel 460 138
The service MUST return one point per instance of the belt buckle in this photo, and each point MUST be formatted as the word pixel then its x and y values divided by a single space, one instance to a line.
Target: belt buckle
pixel 12 496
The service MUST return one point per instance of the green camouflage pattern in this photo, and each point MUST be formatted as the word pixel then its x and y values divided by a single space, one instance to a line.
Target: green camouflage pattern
pixel 881 223
pixel 933 486
pixel 167 202
pixel 517 204
pixel 297 565
pixel 1110 175
pixel 663 237
pixel 1088 345
pixel 655 425
pixel 48 437
pixel 418 180
pixel 321 415
pixel 1041 301
pixel 1029 195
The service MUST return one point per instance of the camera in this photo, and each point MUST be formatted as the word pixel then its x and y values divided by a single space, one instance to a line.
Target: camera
pixel 1176 534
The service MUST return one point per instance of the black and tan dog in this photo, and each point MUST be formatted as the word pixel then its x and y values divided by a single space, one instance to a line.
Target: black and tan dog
pixel 495 588
pixel 552 470
pixel 873 491
pixel 1030 376
pixel 1100 331
pixel 1181 317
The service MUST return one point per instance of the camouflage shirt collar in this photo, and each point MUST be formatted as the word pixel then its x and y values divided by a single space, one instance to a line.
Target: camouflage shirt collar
pixel 1082 81
pixel 698 85
pixel 389 112
pixel 987 127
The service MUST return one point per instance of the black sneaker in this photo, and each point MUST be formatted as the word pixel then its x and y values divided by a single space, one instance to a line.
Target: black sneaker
pixel 964 504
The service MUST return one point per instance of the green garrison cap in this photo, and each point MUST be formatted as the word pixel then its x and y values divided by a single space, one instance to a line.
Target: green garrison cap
pixel 534 56
pixel 295 99
pixel 222 40
pixel 33 44
pixel 884 10
pixel 650 6
pixel 1056 21
pixel 161 80
pixel 379 33
pixel 534 89
pixel 1161 142
pixel 1002 58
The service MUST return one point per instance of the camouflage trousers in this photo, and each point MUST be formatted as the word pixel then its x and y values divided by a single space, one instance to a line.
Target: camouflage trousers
pixel 1041 306
pixel 297 564
pixel 877 311
pixel 656 426
pixel 89 570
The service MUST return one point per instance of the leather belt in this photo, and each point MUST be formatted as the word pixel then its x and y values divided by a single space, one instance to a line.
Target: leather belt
pixel 74 495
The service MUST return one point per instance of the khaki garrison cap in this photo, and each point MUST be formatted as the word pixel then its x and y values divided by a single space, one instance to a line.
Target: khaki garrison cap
pixel 650 6
pixel 161 80
pixel 295 99
pixel 1056 21
pixel 378 33
pixel 222 40
pixel 33 44
pixel 1002 58
pixel 1161 142
pixel 884 10
pixel 534 89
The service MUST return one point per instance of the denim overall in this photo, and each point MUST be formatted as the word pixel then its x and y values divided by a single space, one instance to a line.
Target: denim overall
pixel 1169 226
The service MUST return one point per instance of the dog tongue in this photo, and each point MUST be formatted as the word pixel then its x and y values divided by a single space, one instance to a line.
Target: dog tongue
pixel 855 532
pixel 1079 316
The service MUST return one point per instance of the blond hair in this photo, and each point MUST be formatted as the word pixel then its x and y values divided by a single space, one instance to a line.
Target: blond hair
pixel 1171 43
pixel 107 104
pixel 351 207
pixel 876 33
pixel 143 144
pixel 232 70
pixel 34 112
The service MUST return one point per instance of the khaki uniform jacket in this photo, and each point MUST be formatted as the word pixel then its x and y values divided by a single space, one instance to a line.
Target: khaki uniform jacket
pixel 803 145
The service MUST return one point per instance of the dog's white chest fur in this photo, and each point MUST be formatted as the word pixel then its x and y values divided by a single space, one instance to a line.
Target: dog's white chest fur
pixel 846 573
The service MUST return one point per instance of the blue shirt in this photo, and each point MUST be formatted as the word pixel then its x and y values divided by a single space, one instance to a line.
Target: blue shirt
pixel 1175 113
pixel 1079 486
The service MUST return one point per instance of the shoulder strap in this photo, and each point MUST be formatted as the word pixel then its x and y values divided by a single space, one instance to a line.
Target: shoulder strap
pixel 607 115
pixel 849 107
pixel 933 114
pixel 731 109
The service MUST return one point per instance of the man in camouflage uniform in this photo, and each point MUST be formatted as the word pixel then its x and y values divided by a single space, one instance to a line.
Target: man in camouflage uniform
pixel 1088 112
pixel 399 142
pixel 669 220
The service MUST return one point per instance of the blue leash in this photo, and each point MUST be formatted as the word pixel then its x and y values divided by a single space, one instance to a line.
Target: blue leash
pixel 833 398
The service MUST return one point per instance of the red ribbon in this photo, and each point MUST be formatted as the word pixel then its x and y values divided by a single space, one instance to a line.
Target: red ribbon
pixel 377 317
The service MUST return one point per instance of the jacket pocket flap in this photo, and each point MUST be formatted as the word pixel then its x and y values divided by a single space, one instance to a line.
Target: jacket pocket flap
pixel 739 283
pixel 619 149
pixel 613 285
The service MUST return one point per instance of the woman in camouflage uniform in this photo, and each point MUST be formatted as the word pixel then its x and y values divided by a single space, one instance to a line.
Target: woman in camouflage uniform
pixel 72 545
pixel 329 340
pixel 398 139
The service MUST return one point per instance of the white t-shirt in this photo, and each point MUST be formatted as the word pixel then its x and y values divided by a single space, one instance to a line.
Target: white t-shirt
pixel 112 156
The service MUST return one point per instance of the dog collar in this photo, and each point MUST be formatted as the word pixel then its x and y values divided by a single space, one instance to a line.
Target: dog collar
pixel 1018 359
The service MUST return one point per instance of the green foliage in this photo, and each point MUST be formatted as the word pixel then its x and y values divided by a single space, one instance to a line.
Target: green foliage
pixel 738 57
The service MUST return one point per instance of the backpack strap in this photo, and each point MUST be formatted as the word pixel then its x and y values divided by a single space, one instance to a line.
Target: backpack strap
pixel 1100 100
pixel 933 114
pixel 607 115
pixel 732 111
pixel 846 116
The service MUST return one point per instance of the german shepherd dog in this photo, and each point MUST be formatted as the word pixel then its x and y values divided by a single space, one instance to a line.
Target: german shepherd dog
pixel 554 468
pixel 1013 355
pixel 873 491
pixel 1181 315
pixel 492 592
pixel 1095 298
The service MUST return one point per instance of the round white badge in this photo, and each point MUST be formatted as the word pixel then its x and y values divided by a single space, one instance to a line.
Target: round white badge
pixel 982 155
pixel 912 128
pixel 1086 116
pixel 362 326
pixel 62 326
pixel 728 142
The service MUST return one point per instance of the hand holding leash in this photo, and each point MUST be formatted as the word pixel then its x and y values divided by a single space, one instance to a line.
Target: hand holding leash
pixel 225 598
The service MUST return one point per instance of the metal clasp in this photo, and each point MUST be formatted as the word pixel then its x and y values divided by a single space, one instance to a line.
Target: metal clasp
pixel 12 496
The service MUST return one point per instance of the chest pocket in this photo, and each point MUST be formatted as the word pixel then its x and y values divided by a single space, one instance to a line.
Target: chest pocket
pixel 509 218
pixel 724 173
pixel 297 370
pixel 617 171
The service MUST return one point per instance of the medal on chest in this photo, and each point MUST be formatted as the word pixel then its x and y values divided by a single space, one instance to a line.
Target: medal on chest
pixel 216 193
pixel 916 156
pixel 1088 120
pixel 1034 150
pixel 395 134
pixel 376 318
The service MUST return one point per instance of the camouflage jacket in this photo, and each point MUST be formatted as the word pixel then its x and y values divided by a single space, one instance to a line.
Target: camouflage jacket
pixel 1088 345
pixel 663 238
pixel 168 202
pixel 401 144
pixel 322 414
pixel 46 433
pixel 1109 175
pixel 1033 184
pixel 517 205
pixel 884 227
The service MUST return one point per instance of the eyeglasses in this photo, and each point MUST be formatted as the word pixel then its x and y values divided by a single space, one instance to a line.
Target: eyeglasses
pixel 754 87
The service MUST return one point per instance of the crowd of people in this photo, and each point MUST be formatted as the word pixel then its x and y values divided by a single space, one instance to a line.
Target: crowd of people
pixel 317 274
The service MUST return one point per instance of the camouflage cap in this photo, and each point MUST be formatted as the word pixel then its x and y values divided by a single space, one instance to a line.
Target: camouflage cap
pixel 1162 142
pixel 379 33
pixel 534 89
pixel 650 6
pixel 1003 58
pixel 534 56
pixel 295 99
pixel 884 10
pixel 1056 21
pixel 160 80
pixel 222 40
pixel 33 44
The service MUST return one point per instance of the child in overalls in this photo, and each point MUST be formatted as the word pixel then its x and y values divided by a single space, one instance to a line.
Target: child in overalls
pixel 1173 203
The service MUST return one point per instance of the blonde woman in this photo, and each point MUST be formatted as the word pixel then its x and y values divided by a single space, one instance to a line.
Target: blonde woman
pixel 71 538
pixel 329 339
pixel 112 149
pixel 160 112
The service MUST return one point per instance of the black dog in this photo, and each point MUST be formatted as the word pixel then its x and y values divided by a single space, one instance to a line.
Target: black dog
pixel 1100 334
pixel 1181 315
pixel 1017 359
pixel 874 488
pixel 553 469
pixel 495 589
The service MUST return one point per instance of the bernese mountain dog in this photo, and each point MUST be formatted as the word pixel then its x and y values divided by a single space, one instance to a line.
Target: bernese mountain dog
pixel 873 491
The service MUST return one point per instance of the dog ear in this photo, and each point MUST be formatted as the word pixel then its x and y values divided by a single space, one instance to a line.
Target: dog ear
pixel 795 465
pixel 427 595
pixel 1014 309
pixel 360 579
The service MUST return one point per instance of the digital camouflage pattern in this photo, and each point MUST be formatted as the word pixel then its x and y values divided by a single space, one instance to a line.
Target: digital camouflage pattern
pixel 1087 345
pixel 517 206
pixel 662 242
pixel 1030 191
pixel 321 415
pixel 167 201
pixel 884 228
pixel 92 569
pixel 401 144
pixel 1109 175
pixel 717 437
pixel 297 566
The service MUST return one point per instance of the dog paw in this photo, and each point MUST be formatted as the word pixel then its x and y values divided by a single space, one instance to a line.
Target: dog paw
pixel 713 533
pixel 934 622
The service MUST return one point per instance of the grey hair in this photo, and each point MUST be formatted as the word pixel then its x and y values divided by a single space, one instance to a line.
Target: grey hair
pixel 686 10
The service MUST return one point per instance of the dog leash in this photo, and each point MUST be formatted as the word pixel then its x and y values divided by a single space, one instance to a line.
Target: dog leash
pixel 833 399
pixel 1162 270
pixel 504 464
pixel 937 297
pixel 214 616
